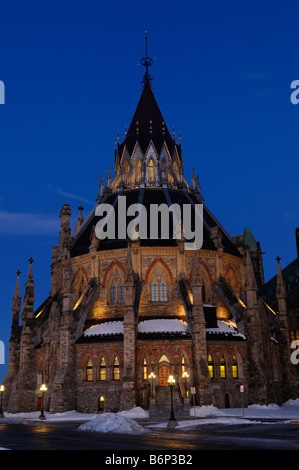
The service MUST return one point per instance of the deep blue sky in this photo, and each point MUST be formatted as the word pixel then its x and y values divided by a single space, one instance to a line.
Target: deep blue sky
pixel 222 77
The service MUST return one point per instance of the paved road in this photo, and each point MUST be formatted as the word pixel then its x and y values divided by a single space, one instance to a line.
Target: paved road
pixel 65 436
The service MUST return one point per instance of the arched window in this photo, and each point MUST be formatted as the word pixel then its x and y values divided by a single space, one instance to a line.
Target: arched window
pixel 103 369
pixel 116 374
pixel 113 292
pixel 89 371
pixel 127 169
pixel 211 366
pixel 138 170
pixel 155 290
pixel 151 170
pixel 158 287
pixel 222 368
pixel 144 369
pixel 163 290
pixel 183 365
pixel 235 368
pixel 117 289
pixel 120 292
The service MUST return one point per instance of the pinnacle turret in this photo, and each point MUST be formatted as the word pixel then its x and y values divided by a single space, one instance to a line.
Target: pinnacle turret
pixel 29 296
pixel 16 301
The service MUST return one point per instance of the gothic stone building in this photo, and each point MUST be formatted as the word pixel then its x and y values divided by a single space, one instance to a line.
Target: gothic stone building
pixel 120 309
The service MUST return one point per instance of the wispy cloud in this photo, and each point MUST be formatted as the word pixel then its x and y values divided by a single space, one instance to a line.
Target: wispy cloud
pixel 16 223
pixel 69 195
pixel 291 215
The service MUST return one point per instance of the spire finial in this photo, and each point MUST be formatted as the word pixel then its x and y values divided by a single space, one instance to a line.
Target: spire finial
pixel 147 62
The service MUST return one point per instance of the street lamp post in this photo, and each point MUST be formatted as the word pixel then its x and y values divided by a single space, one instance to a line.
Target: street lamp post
pixel 1 392
pixel 185 378
pixel 43 389
pixel 152 379
pixel 172 421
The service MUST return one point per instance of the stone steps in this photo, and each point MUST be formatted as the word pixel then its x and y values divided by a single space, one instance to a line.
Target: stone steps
pixel 161 406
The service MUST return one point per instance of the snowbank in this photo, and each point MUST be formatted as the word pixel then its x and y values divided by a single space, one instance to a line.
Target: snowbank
pixel 113 423
pixel 135 413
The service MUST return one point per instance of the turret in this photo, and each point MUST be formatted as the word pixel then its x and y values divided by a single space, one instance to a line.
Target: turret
pixel 29 297
pixel 65 228
pixel 201 373
pixel 16 302
pixel 281 296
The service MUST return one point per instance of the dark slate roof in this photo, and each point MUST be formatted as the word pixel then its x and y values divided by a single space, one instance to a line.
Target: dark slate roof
pixel 146 197
pixel 290 276
pixel 148 110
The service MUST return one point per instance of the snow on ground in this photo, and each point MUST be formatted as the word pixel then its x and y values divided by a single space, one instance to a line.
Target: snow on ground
pixel 125 421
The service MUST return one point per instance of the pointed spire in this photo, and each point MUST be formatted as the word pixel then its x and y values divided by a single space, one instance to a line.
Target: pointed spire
pixel 129 273
pixel 250 282
pixel 280 285
pixel 80 219
pixel 197 183
pixel 147 62
pixel 108 178
pixel 65 227
pixel 193 178
pixel 29 296
pixel 16 301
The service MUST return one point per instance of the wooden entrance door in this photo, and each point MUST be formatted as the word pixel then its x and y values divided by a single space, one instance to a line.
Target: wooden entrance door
pixel 164 373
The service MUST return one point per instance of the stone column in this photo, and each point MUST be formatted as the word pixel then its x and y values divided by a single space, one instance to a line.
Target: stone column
pixel 128 396
pixel 64 386
pixel 202 382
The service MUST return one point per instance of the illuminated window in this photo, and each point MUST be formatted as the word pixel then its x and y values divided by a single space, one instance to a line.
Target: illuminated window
pixel 116 369
pixel 127 169
pixel 222 368
pixel 151 170
pixel 103 369
pixel 235 367
pixel 117 289
pixel 144 369
pixel 294 335
pixel 211 366
pixel 183 365
pixel 89 371
pixel 138 170
pixel 158 287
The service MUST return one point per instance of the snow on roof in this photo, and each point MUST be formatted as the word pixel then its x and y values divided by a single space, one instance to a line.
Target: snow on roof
pixel 106 328
pixel 158 325
pixel 163 325
pixel 146 326
pixel 224 328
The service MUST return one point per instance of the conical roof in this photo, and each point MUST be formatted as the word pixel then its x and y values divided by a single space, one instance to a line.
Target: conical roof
pixel 148 124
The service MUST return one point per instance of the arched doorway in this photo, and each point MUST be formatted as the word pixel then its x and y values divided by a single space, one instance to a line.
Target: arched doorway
pixel 226 400
pixel 164 373
pixel 101 401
